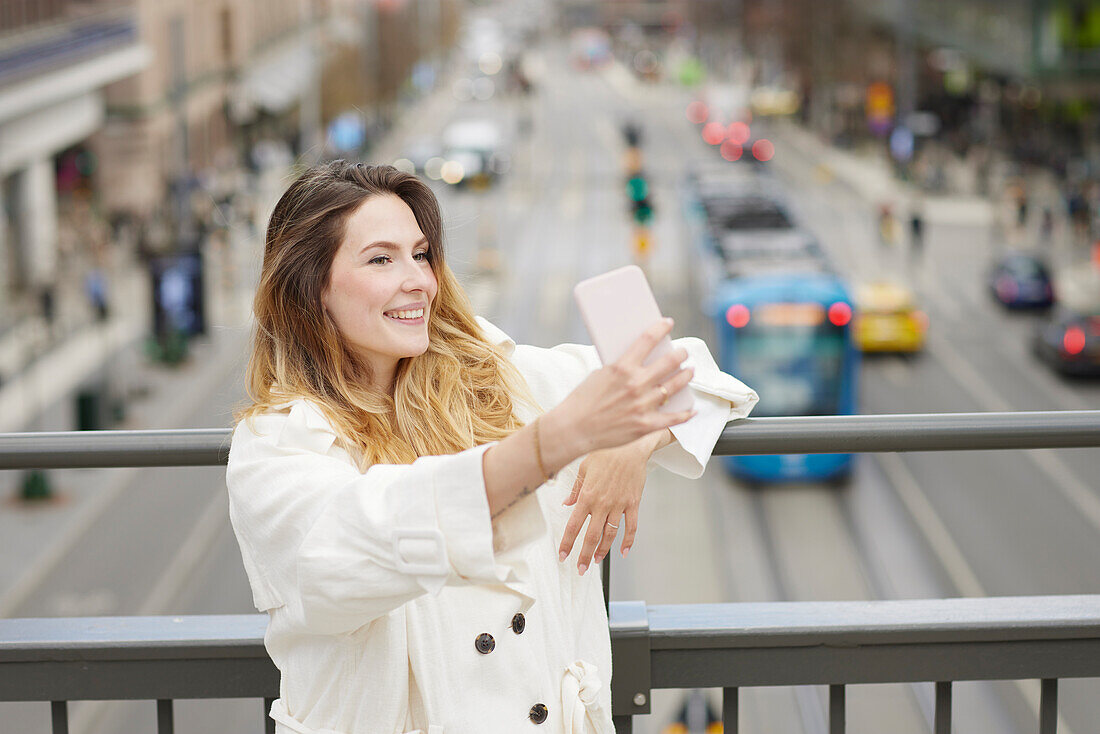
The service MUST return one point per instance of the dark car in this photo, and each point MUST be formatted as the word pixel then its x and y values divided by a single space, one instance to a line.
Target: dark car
pixel 1021 280
pixel 1070 342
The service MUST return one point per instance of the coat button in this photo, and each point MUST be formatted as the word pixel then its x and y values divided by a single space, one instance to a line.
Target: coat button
pixel 537 713
pixel 518 624
pixel 485 643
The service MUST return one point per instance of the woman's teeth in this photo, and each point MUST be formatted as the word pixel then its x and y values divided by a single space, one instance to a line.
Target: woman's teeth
pixel 405 314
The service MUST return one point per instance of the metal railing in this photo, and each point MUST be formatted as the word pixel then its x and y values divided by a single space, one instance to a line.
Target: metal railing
pixel 801 435
pixel 730 646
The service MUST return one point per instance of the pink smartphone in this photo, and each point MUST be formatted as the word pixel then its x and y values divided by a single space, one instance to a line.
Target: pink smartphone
pixel 617 307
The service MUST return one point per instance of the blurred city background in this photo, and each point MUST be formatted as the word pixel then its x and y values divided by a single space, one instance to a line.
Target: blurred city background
pixel 863 207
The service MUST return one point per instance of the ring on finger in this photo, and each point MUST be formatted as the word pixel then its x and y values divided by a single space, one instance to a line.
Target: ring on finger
pixel 664 394
pixel 614 526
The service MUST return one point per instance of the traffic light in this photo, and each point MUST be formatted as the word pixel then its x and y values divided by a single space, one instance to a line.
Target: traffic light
pixel 632 135
pixel 637 189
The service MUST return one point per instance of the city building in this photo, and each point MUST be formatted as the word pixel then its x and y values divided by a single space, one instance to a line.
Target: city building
pixel 57 60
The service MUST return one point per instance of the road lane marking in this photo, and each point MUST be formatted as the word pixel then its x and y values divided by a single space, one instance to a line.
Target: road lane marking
pixel 935 533
pixel 1076 492
pixel 195 547
pixel 967 376
pixel 939 540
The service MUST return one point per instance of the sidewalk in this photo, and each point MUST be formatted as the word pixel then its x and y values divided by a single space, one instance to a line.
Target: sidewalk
pixel 871 177
pixel 874 181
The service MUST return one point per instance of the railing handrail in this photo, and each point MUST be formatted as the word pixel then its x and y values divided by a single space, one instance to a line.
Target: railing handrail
pixel 789 435
pixel 685 645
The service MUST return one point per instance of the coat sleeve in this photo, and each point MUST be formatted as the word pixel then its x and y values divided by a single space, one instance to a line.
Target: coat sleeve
pixel 339 548
pixel 719 397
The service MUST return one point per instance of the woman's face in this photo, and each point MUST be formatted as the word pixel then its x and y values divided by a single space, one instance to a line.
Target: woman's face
pixel 381 285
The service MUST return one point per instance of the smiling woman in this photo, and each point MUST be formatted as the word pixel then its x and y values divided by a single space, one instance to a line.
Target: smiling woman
pixel 407 481
pixel 379 292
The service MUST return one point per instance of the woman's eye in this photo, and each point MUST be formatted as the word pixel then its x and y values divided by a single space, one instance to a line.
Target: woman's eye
pixel 422 255
pixel 379 259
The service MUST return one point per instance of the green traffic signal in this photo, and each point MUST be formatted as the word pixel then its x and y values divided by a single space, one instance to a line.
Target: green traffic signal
pixel 643 212
pixel 637 188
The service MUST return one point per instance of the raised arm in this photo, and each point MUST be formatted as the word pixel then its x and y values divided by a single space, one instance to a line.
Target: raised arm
pixel 615 405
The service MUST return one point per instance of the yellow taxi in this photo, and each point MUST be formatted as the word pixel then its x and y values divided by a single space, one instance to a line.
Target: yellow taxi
pixel 887 319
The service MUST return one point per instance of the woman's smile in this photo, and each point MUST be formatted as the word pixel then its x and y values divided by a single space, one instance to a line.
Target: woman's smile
pixel 413 314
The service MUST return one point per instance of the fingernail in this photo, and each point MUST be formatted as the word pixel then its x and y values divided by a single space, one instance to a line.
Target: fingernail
pixel 598 558
pixel 562 556
pixel 625 551
pixel 582 568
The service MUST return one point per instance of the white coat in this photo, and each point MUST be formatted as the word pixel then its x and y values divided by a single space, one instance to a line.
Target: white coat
pixel 397 605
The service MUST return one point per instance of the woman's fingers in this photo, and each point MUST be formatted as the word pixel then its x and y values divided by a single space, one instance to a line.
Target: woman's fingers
pixel 596 529
pixel 668 420
pixel 665 390
pixel 667 365
pixel 609 533
pixel 643 345
pixel 631 520
pixel 569 537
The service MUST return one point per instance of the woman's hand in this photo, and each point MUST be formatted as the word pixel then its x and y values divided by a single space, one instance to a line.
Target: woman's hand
pixel 609 485
pixel 619 403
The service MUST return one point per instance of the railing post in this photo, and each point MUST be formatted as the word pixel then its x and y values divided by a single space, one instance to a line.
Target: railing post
pixel 630 686
pixel 165 724
pixel 269 723
pixel 59 713
pixel 1048 706
pixel 943 707
pixel 837 722
pixel 729 711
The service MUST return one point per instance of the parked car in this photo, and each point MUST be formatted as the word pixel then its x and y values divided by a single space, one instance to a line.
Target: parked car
pixel 418 152
pixel 1070 342
pixel 1021 280
pixel 887 319
pixel 475 152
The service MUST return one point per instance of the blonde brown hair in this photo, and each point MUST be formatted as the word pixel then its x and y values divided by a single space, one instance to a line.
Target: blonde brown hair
pixel 455 396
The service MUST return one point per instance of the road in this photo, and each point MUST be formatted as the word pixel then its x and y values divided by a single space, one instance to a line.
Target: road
pixel 908 526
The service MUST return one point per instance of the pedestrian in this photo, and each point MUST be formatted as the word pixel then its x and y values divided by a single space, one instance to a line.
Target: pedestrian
pixel 916 231
pixel 95 288
pixel 1020 195
pixel 407 482
pixel 886 225
pixel 1046 226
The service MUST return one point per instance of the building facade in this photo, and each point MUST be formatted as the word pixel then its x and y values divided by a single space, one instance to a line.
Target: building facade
pixel 57 61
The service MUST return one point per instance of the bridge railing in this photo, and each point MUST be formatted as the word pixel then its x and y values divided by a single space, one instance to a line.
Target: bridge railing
pixel 731 646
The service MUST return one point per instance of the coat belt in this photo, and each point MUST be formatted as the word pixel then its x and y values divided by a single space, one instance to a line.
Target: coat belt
pixel 580 688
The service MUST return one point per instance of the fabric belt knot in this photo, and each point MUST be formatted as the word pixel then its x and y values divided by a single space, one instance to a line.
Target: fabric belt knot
pixel 580 688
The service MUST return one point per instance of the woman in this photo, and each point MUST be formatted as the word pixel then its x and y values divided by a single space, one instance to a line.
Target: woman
pixel 383 481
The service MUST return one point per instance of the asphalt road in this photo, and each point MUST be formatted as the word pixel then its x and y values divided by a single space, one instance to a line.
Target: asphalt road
pixel 916 525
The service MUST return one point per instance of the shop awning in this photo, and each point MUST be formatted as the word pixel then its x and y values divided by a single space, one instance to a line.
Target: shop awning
pixel 276 80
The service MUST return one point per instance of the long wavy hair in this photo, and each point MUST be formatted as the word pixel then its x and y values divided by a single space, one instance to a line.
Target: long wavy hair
pixel 457 395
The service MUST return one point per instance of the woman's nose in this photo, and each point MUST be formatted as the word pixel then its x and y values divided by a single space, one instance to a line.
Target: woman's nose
pixel 417 276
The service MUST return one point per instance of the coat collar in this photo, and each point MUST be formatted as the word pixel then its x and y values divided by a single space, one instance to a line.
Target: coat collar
pixel 496 337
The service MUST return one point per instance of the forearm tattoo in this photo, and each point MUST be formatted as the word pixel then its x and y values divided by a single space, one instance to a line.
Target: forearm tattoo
pixel 526 491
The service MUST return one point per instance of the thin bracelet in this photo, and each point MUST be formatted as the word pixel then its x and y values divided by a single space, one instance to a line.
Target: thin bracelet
pixel 538 452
